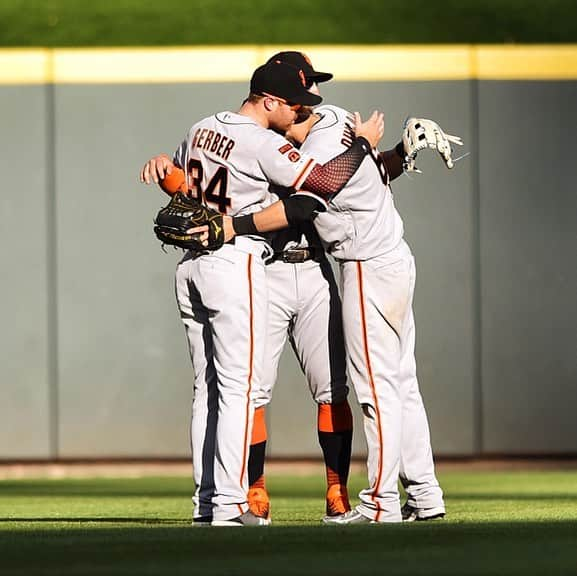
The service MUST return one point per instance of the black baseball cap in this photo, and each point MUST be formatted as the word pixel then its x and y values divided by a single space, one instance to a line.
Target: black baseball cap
pixel 303 62
pixel 283 80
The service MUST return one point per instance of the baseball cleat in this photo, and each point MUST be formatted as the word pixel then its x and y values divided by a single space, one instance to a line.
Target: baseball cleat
pixel 259 502
pixel 350 517
pixel 412 514
pixel 246 519
pixel 337 501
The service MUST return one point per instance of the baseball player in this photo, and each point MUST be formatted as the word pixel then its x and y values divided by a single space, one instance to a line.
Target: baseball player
pixel 229 160
pixel 305 306
pixel 364 232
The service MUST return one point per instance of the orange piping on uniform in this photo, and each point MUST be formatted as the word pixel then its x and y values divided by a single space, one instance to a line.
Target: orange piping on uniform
pixel 297 182
pixel 250 356
pixel 372 385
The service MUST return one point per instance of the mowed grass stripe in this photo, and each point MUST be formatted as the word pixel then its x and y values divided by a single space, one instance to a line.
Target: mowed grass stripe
pixel 181 22
pixel 498 523
pixel 529 495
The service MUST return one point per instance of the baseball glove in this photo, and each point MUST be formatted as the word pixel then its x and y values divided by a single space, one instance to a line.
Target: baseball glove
pixel 182 213
pixel 420 133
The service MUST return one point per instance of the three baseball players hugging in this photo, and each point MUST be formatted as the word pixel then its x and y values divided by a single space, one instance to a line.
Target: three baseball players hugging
pixel 294 182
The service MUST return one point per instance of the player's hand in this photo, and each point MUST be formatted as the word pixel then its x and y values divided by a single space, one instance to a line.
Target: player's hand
pixel 201 233
pixel 156 169
pixel 372 129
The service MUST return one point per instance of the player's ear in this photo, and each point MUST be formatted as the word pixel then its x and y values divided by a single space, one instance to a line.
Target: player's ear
pixel 268 104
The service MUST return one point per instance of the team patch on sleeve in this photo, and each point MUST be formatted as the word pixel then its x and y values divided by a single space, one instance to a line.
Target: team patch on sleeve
pixel 293 155
pixel 281 162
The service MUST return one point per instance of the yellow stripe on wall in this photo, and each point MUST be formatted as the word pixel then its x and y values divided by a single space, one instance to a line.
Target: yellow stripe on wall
pixel 24 66
pixel 392 62
pixel 236 63
pixel 125 66
pixel 541 62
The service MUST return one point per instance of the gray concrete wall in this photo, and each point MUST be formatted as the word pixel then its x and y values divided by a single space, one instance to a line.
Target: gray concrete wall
pixel 27 393
pixel 528 247
pixel 94 361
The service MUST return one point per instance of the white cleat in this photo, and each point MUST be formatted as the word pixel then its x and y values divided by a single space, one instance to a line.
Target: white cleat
pixel 412 514
pixel 351 517
pixel 246 519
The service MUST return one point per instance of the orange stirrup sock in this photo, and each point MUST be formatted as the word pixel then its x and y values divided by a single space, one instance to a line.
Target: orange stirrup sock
pixel 335 430
pixel 335 417
pixel 259 433
pixel 257 452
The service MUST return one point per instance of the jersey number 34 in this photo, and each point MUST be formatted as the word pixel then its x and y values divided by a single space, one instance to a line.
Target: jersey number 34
pixel 215 191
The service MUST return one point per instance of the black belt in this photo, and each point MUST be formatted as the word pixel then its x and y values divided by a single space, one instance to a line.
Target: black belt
pixel 298 255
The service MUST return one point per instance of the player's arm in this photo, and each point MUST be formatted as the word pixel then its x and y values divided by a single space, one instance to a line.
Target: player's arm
pixel 282 214
pixel 329 179
pixel 393 160
pixel 322 181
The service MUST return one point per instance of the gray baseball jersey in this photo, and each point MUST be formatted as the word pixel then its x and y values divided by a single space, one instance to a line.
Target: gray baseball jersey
pixel 229 160
pixel 362 221
pixel 363 230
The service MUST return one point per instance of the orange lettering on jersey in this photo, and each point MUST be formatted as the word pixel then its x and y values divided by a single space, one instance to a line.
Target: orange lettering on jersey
pixel 213 141
pixel 217 138
pixel 294 156
pixel 226 151
pixel 201 136
pixel 194 140
pixel 208 139
pixel 221 146
pixel 285 148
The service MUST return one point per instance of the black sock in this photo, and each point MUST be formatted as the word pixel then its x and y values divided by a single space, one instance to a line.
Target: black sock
pixel 336 447
pixel 256 462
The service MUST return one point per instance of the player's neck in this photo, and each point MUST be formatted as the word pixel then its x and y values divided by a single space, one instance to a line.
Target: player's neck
pixel 255 112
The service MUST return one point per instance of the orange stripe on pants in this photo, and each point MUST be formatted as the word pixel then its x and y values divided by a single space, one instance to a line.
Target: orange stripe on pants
pixel 372 385
pixel 251 355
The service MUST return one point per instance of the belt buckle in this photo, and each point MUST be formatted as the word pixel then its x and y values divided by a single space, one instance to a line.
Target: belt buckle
pixel 296 255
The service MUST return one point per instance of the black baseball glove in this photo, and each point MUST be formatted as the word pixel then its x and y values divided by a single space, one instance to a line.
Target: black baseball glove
pixel 183 213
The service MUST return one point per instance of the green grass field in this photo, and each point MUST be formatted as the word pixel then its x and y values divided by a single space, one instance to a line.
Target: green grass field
pixel 189 22
pixel 498 523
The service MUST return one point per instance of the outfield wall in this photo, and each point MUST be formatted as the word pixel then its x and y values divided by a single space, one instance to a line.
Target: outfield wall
pixel 94 361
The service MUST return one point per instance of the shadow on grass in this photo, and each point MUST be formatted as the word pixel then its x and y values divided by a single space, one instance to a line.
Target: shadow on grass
pixel 526 548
